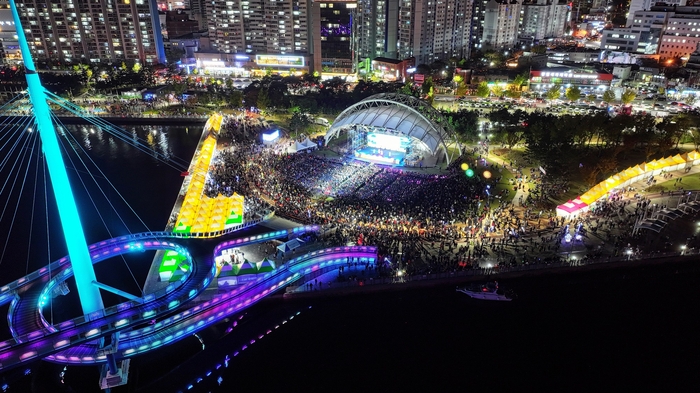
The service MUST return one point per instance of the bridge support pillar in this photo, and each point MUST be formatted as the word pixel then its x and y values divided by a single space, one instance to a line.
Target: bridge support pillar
pixel 121 377
pixel 90 297
pixel 112 364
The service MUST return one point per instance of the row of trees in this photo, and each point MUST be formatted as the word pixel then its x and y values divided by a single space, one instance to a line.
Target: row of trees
pixel 573 93
pixel 595 144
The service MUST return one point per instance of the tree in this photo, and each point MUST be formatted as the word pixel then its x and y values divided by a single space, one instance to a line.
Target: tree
pixel 609 96
pixel 495 59
pixel 690 100
pixel 695 137
pixel 263 99
pixel 554 92
pixel 299 122
pixel 483 90
pixel 539 49
pixel 427 86
pixel 520 80
pixel 573 93
pixel 407 89
pixel 628 96
pixel 235 99
pixel 513 91
pixel 498 91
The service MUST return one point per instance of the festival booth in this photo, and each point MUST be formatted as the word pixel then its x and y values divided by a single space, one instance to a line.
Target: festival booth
pixel 653 168
pixel 627 177
pixel 679 162
pixel 265 266
pixel 290 245
pixel 572 207
pixel 693 158
pixel 229 273
pixel 301 146
pixel 199 213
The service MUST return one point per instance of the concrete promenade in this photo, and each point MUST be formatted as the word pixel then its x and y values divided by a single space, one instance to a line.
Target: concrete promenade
pixel 370 283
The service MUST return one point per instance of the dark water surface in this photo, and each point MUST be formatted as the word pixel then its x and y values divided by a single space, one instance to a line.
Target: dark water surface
pixel 148 185
pixel 627 329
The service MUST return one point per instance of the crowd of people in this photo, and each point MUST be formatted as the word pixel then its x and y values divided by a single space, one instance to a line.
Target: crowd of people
pixel 421 222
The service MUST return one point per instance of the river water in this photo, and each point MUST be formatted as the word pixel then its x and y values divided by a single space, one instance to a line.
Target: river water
pixel 148 185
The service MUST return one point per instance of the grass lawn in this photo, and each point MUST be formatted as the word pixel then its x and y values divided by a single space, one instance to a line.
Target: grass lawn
pixel 690 182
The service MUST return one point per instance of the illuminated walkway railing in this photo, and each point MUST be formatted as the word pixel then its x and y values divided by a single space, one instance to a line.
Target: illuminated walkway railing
pixel 82 330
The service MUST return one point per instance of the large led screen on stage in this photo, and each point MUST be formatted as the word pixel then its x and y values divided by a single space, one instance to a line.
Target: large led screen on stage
pixel 388 142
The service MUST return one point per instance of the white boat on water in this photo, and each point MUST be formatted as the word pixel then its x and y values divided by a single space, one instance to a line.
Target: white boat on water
pixel 488 291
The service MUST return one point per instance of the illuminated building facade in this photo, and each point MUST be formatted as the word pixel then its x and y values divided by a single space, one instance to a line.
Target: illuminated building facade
pixel 9 46
pixel 669 31
pixel 70 31
pixel 501 22
pixel 566 77
pixel 256 26
pixel 333 34
pixel 431 30
pixel 377 28
pixel 543 19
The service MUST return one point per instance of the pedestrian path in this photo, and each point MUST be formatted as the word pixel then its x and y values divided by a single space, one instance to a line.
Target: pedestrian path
pixel 521 193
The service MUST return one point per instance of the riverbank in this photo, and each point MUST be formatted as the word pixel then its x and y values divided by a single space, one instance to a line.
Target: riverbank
pixel 593 331
pixel 374 285
pixel 121 120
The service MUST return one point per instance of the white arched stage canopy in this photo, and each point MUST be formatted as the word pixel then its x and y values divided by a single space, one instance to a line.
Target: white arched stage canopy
pixel 409 115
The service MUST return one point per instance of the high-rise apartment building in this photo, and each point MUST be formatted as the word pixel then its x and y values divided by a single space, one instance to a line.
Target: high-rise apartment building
pixel 543 19
pixel 103 31
pixel 642 36
pixel 333 26
pixel 645 5
pixel 431 30
pixel 682 34
pixel 257 26
pixel 669 31
pixel 377 28
pixel 9 47
pixel 501 22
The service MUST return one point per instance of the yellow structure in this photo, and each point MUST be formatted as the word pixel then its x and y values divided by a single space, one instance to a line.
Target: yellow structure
pixel 200 213
pixel 629 176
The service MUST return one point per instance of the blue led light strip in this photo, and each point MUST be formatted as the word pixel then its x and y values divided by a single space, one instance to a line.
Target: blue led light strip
pixel 90 298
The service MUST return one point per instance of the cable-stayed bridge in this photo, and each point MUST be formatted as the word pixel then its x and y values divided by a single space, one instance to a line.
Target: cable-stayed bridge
pixel 109 336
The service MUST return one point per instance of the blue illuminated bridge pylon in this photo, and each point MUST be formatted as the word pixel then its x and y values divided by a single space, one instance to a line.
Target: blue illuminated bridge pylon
pixel 111 336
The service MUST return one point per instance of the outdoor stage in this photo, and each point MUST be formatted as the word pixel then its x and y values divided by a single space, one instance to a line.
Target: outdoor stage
pixel 379 156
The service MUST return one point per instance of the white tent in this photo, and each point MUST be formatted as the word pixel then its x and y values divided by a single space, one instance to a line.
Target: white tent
pixel 299 146
pixel 309 144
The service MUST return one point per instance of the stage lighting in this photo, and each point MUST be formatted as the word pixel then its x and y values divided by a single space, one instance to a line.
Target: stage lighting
pixel 487 174
pixel 469 172
pixel 465 166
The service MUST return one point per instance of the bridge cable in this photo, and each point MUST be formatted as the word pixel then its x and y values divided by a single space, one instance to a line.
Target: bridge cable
pixel 12 136
pixel 31 222
pixel 14 101
pixel 99 214
pixel 19 128
pixel 175 162
pixel 69 138
pixel 48 232
pixel 129 139
pixel 33 138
